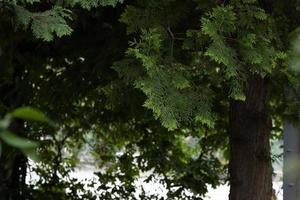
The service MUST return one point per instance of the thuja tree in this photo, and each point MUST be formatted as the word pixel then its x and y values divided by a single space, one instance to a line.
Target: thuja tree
pixel 214 69
pixel 187 54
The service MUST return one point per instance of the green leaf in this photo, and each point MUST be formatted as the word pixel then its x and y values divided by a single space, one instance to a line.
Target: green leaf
pixel 5 122
pixel 31 152
pixel 27 146
pixel 30 114
pixel 17 141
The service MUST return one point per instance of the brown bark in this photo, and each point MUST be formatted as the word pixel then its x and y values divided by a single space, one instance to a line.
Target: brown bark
pixel 250 163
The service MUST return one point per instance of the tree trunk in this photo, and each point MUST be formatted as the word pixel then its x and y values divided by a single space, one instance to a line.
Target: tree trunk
pixel 250 165
pixel 12 176
pixel 13 169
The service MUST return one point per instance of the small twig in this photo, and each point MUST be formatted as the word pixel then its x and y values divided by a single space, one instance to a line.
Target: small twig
pixel 172 39
pixel 177 38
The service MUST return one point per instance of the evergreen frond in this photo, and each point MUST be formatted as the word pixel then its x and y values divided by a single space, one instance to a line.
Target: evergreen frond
pixel 45 25
pixel 89 4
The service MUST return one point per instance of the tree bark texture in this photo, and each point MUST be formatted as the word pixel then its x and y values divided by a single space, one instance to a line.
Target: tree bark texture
pixel 250 165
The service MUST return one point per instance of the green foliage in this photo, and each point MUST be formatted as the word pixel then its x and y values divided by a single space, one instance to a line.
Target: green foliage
pixel 156 59
pixel 88 4
pixel 219 24
pixel 165 83
pixel 30 114
pixel 45 25
pixel 55 21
